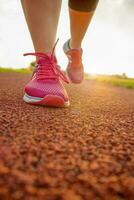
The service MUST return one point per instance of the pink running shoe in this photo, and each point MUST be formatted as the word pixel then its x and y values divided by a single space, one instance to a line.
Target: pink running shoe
pixel 75 69
pixel 45 87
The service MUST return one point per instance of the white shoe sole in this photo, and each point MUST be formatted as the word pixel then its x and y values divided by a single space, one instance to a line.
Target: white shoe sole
pixel 48 100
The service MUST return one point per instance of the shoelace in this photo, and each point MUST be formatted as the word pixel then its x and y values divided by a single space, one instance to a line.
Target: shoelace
pixel 49 70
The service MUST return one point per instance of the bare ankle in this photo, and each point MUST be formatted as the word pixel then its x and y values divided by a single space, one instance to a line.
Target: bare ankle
pixel 74 45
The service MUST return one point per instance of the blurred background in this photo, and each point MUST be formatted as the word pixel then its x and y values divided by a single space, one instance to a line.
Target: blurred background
pixel 108 45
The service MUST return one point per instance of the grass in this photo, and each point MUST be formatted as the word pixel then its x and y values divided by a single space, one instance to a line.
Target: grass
pixel 114 80
pixel 22 70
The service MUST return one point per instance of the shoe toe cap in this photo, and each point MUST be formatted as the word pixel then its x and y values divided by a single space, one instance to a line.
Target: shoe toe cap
pixel 75 75
pixel 43 90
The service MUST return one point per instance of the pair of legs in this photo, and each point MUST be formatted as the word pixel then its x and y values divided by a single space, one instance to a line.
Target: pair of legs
pixel 45 86
pixel 42 18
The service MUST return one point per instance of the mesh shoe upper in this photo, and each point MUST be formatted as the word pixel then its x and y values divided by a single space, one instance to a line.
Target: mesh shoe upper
pixel 46 79
pixel 75 68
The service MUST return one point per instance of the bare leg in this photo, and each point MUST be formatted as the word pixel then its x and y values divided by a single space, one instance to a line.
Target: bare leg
pixel 81 12
pixel 79 22
pixel 42 19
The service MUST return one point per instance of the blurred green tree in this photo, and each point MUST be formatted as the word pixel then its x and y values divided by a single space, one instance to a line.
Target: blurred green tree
pixel 31 66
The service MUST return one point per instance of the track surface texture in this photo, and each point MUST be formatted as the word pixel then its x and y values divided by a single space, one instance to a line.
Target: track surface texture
pixel 84 152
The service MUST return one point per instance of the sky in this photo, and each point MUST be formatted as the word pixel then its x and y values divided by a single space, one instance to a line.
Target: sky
pixel 108 47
